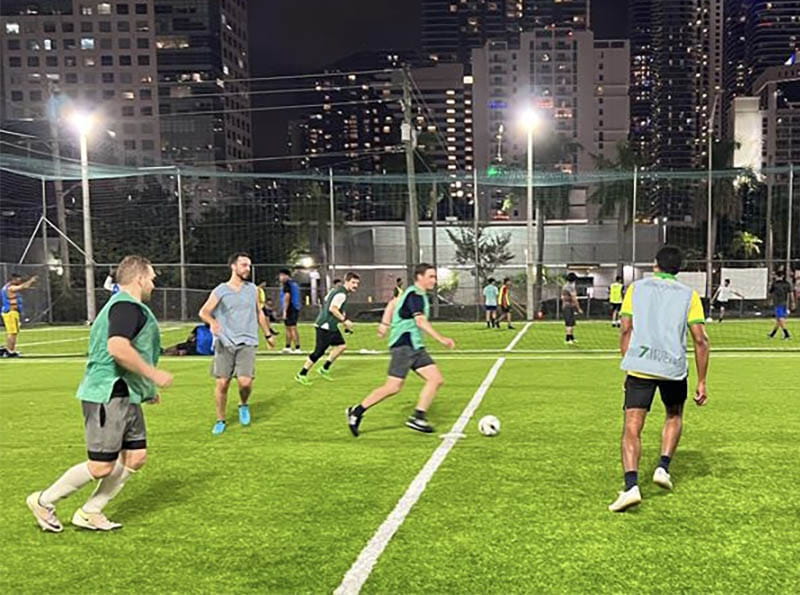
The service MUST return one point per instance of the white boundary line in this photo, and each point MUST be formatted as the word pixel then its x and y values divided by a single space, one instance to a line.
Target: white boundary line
pixel 361 569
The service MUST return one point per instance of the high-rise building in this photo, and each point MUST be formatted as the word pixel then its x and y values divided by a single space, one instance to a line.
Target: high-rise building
pixel 64 55
pixel 772 34
pixel 778 89
pixel 642 84
pixel 203 82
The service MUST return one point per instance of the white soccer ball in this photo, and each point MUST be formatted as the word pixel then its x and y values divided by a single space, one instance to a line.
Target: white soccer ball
pixel 489 425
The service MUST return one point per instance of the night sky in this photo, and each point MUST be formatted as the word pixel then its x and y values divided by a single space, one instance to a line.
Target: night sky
pixel 296 36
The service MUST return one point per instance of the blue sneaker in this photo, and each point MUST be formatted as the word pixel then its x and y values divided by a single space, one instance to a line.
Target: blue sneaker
pixel 244 415
pixel 218 428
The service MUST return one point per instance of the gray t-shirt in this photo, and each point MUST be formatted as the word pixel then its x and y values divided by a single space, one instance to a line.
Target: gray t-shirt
pixel 237 313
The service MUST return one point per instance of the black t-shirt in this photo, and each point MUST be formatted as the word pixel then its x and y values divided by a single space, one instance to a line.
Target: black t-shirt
pixel 125 319
pixel 780 291
pixel 411 307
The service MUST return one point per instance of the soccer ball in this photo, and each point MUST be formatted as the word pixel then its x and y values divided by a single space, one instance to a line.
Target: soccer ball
pixel 489 425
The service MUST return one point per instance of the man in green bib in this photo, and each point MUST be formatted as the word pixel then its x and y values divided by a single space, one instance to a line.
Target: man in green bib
pixel 406 317
pixel 331 314
pixel 124 346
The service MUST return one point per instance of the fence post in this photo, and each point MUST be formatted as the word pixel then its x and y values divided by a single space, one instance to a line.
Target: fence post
pixel 633 219
pixel 333 232
pixel 789 221
pixel 477 248
pixel 44 254
pixel 181 243
pixel 434 244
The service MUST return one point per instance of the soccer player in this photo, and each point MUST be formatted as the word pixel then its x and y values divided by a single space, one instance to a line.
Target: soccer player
pixel 11 306
pixel 265 305
pixel 783 299
pixel 505 303
pixel 110 284
pixel 398 288
pixel 722 297
pixel 615 299
pixel 406 318
pixel 121 373
pixel 490 293
pixel 331 314
pixel 571 306
pixel 233 314
pixel 656 314
pixel 290 309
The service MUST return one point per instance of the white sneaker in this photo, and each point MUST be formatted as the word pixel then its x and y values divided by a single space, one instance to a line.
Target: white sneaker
pixel 626 499
pixel 297 351
pixel 44 515
pixel 661 478
pixel 286 350
pixel 94 521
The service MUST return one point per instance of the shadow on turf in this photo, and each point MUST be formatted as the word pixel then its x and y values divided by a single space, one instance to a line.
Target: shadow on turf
pixel 154 498
pixel 689 465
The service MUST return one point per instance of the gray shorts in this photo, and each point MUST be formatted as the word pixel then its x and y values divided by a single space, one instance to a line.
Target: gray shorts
pixel 239 361
pixel 112 427
pixel 405 358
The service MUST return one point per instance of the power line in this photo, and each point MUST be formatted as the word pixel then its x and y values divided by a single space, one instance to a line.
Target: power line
pixel 335 89
pixel 365 152
pixel 276 107
pixel 278 78
pixel 432 118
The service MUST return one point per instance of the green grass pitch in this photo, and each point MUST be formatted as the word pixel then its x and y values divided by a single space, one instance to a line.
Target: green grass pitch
pixel 287 504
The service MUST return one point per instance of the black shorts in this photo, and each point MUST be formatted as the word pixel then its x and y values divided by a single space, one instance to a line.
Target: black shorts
pixel 569 316
pixel 327 338
pixel 718 304
pixel 292 314
pixel 505 309
pixel 640 392
pixel 616 307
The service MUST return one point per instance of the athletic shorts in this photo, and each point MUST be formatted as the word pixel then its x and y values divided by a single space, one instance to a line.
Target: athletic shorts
pixel 11 322
pixel 616 307
pixel 239 361
pixel 569 316
pixel 405 358
pixel 505 309
pixel 720 304
pixel 640 392
pixel 112 427
pixel 292 314
pixel 327 338
pixel 491 308
pixel 781 312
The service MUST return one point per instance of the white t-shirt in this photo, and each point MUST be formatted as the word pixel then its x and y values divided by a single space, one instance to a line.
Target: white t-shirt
pixel 724 294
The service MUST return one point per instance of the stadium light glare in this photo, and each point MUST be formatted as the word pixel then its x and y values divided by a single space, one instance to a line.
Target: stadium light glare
pixel 307 262
pixel 82 122
pixel 530 119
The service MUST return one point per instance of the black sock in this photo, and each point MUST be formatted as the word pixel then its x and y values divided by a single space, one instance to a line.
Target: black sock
pixel 327 365
pixel 786 333
pixel 358 410
pixel 419 414
pixel 631 479
pixel 664 462
pixel 303 372
pixel 772 334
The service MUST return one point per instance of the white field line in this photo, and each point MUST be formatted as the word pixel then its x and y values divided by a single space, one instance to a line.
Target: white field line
pixel 362 567
pixel 84 338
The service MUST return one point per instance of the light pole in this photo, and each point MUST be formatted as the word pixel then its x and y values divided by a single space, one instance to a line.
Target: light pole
pixel 530 120
pixel 83 123
pixel 709 215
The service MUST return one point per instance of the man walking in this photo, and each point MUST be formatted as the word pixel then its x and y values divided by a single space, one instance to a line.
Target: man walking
pixel 615 300
pixel 11 307
pixel 656 313
pixel 783 299
pixel 571 307
pixel 121 373
pixel 490 294
pixel 505 303
pixel 290 308
pixel 232 311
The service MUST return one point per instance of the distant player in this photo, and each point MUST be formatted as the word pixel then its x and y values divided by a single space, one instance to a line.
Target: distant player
pixel 265 305
pixel 233 314
pixel 11 307
pixel 722 296
pixel 121 374
pixel 406 318
pixel 199 342
pixel 782 297
pixel 615 300
pixel 505 303
pixel 110 284
pixel 656 313
pixel 490 295
pixel 290 310
pixel 571 307
pixel 332 313
pixel 398 288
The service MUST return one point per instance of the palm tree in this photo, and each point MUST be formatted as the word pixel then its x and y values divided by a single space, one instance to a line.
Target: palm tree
pixel 746 243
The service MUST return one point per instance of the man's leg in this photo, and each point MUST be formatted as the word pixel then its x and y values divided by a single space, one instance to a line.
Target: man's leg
pixel 129 462
pixel 335 353
pixel 389 388
pixel 245 388
pixel 632 445
pixel 433 381
pixel 221 397
pixel 11 342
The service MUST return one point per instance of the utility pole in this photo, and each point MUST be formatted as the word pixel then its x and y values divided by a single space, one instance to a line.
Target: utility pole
pixel 434 243
pixel 58 190
pixel 409 142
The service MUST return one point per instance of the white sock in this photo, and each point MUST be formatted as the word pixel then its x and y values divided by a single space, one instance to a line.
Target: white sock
pixel 74 479
pixel 108 487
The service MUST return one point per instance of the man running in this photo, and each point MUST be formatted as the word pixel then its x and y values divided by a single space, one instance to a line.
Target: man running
pixel 398 288
pixel 11 306
pixel 782 297
pixel 290 309
pixel 505 303
pixel 232 311
pixel 490 294
pixel 615 300
pixel 121 373
pixel 656 313
pixel 331 314
pixel 722 297
pixel 571 307
pixel 406 318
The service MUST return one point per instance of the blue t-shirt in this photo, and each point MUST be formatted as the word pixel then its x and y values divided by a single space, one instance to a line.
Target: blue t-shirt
pixel 291 287
pixel 237 313
pixel 204 340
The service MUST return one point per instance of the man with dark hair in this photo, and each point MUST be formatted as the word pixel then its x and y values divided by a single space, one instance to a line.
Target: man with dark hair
pixel 121 373
pixel 505 303
pixel 782 297
pixel 406 318
pixel 722 296
pixel 490 294
pixel 11 306
pixel 290 310
pixel 570 306
pixel 398 288
pixel 615 293
pixel 656 313
pixel 332 313
pixel 232 311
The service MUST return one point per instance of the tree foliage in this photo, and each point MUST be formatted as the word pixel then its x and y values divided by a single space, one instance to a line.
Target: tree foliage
pixel 493 250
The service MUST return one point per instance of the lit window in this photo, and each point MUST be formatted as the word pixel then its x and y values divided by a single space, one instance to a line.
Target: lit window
pixel 104 8
pixel 130 95
pixel 86 10
pixel 12 28
pixel 87 43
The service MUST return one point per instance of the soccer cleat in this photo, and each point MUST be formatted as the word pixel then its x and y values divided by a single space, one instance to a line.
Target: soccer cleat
pixel 353 420
pixel 662 479
pixel 44 515
pixel 303 379
pixel 326 374
pixel 244 415
pixel 420 425
pixel 626 499
pixel 218 428
pixel 94 521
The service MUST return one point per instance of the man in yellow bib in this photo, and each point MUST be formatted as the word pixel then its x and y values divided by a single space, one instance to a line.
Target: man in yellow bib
pixel 11 306
pixel 615 300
